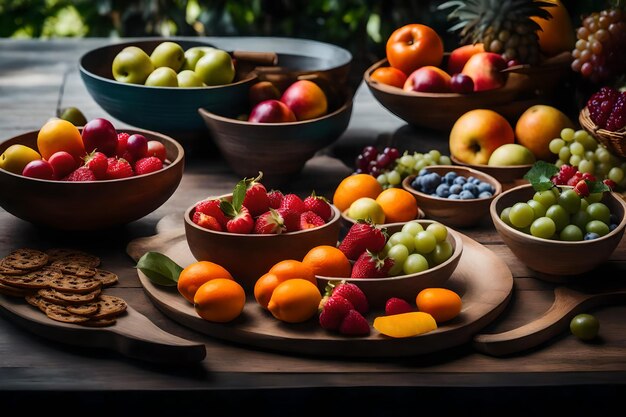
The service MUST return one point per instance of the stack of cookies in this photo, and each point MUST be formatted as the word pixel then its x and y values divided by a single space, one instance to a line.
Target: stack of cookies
pixel 65 284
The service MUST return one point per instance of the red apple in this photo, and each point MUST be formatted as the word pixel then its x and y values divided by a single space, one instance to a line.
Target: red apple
pixel 62 163
pixel 156 148
pixel 428 79
pixel 39 168
pixel 271 111
pixel 461 83
pixel 101 135
pixel 486 70
pixel 305 99
pixel 261 91
pixel 137 146
pixel 459 56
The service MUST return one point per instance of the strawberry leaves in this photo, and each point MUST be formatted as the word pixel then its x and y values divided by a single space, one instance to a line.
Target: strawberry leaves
pixel 233 207
pixel 541 177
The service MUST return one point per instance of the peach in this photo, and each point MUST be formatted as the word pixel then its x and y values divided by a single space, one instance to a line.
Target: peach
pixel 428 79
pixel 477 134
pixel 459 56
pixel 271 111
pixel 486 70
pixel 537 126
pixel 305 99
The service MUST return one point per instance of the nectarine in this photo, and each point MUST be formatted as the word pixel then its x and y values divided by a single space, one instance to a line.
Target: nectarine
pixel 459 57
pixel 306 99
pixel 428 79
pixel 485 69
pixel 537 126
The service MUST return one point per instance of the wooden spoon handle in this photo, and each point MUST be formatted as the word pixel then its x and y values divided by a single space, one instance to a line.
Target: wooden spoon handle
pixel 567 303
pixel 256 58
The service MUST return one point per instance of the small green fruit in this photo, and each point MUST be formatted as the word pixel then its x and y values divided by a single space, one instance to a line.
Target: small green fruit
pixel 73 115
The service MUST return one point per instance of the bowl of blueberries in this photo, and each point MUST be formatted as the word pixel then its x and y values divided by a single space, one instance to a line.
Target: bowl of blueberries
pixel 453 195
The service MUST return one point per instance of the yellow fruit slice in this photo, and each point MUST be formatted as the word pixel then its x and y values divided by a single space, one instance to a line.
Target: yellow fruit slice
pixel 405 324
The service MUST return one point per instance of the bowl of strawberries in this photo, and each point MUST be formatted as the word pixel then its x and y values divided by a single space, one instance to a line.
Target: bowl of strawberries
pixel 251 229
pixel 87 178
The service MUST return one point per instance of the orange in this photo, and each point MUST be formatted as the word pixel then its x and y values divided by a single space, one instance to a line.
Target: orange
pixel 328 261
pixel 220 300
pixel 557 34
pixel 196 274
pixel 295 300
pixel 60 135
pixel 291 268
pixel 264 287
pixel 398 204
pixel 441 303
pixel 354 187
pixel 389 76
pixel 537 126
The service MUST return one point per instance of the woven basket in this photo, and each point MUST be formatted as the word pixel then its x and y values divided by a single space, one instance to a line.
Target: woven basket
pixel 615 142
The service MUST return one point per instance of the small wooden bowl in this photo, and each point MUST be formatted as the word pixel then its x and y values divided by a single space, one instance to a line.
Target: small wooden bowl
pixel 454 213
pixel 555 259
pixel 279 150
pixel 379 290
pixel 615 142
pixel 248 257
pixel 91 205
pixel 349 221
pixel 504 174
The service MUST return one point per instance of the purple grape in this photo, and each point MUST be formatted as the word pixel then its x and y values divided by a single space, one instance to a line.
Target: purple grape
pixel 361 163
pixel 383 160
pixel 137 145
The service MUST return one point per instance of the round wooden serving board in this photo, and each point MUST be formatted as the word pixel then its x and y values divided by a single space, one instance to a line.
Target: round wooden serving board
pixel 484 282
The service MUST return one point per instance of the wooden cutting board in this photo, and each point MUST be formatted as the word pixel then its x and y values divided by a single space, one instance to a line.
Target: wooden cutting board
pixel 484 282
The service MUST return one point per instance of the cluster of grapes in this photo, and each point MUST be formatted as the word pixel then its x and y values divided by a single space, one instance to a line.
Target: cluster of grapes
pixel 599 52
pixel 579 149
pixel 607 108
pixel 411 164
pixel 372 162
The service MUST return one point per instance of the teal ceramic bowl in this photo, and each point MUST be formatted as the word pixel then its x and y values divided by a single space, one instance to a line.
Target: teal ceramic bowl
pixel 161 109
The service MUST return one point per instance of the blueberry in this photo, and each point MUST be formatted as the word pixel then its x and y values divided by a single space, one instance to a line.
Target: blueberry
pixel 475 181
pixel 485 194
pixel 443 190
pixel 423 172
pixel 455 189
pixel 430 182
pixel 591 236
pixel 454 197
pixel 460 180
pixel 472 188
pixel 449 177
pixel 417 183
pixel 613 218
pixel 466 195
pixel 485 186
pixel 613 226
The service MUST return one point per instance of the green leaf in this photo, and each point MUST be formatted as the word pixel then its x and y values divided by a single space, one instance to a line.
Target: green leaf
pixel 540 175
pixel 239 193
pixel 159 268
pixel 597 187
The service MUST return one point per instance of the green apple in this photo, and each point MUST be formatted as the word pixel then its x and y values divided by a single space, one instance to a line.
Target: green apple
pixel 132 65
pixel 162 77
pixel 73 115
pixel 16 157
pixel 193 55
pixel 366 208
pixel 216 67
pixel 168 54
pixel 188 78
pixel 511 154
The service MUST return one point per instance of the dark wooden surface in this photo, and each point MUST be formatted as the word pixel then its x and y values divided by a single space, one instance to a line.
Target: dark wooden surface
pixel 564 374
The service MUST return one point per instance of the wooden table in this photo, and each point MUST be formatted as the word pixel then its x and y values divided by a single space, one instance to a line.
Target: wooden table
pixel 565 373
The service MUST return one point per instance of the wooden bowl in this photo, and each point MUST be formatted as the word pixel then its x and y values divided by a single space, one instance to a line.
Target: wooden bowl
pixel 279 150
pixel 91 205
pixel 163 109
pixel 504 174
pixel 615 142
pixel 379 290
pixel 553 258
pixel 454 213
pixel 247 257
pixel 349 221
pixel 524 87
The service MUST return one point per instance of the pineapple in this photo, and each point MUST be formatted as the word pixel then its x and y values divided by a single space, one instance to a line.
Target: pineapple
pixel 502 26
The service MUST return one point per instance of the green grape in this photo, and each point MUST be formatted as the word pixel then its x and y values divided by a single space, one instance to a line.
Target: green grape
pixel 399 253
pixel 565 154
pixel 574 160
pixel 584 204
pixel 577 148
pixel 403 238
pixel 616 174
pixel 584 326
pixel 382 179
pixel 594 197
pixel 504 216
pixel 439 230
pixel 559 215
pixel 580 135
pixel 394 178
pixel 558 163
pixel 569 200
pixel 425 242
pixel 435 155
pixel 547 198
pixel 597 226
pixel 571 233
pixel 412 228
pixel 602 169
pixel 443 251
pixel 418 155
pixel 580 218
pixel 555 145
pixel 603 155
pixel 586 165
pixel 521 215
pixel 599 211
pixel 590 156
pixel 538 208
pixel 567 134
pixel 419 165
pixel 445 160
pixel 407 160
pixel 415 263
pixel 543 227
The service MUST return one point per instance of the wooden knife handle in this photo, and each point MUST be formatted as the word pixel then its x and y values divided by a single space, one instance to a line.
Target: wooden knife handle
pixel 256 58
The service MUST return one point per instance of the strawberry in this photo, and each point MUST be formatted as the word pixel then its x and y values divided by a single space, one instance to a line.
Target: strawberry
pixel 354 324
pixel 80 174
pixel 276 198
pixel 371 265
pixel 363 235
pixel 270 222
pixel 610 183
pixel 147 165
pixel 293 203
pixel 212 208
pixel 256 199
pixel 333 310
pixel 118 168
pixel 239 218
pixel 291 219
pixel 350 292
pixel 207 221
pixel 319 205
pixel 309 220
pixel 582 188
pixel 396 305
pixel 98 163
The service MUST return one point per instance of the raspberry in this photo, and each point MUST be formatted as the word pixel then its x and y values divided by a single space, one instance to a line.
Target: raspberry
pixel 600 105
pixel 617 119
pixel 567 171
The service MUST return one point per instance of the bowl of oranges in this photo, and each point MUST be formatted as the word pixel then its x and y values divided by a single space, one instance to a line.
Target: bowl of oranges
pixel 54 177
